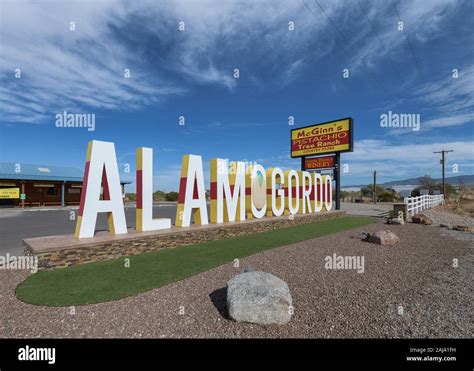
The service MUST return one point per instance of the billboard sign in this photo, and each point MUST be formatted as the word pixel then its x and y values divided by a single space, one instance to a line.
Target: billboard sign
pixel 9 193
pixel 317 163
pixel 328 137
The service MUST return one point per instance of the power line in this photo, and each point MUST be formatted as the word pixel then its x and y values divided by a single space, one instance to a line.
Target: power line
pixel 376 35
pixel 415 60
pixel 347 42
pixel 417 66
pixel 315 16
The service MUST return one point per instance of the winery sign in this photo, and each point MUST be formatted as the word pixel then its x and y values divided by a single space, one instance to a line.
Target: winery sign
pixel 237 192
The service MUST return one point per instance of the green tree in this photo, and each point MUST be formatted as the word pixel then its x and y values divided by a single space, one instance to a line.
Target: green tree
pixel 387 196
pixel 130 196
pixel 172 196
pixel 449 190
pixel 159 196
pixel 427 182
pixel 369 189
pixel 344 195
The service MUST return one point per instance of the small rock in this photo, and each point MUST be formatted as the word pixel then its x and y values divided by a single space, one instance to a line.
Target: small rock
pixel 364 236
pixel 421 219
pixel 248 269
pixel 397 221
pixel 463 228
pixel 442 225
pixel 259 297
pixel 384 238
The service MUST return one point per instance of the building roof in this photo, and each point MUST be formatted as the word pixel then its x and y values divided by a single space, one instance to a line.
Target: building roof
pixel 20 171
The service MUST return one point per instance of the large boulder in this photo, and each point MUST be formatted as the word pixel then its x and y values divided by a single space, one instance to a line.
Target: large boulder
pixel 259 297
pixel 384 238
pixel 421 219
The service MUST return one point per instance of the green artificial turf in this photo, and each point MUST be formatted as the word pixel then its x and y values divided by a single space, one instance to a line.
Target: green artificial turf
pixel 109 280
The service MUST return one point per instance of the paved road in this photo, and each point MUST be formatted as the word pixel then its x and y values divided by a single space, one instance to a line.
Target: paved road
pixel 16 224
pixel 379 209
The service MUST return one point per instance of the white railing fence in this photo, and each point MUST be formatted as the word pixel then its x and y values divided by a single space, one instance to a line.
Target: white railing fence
pixel 417 204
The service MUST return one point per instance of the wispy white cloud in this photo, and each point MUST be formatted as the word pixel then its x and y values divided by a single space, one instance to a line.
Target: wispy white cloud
pixel 64 69
pixel 453 99
pixel 449 121
pixel 83 69
pixel 407 160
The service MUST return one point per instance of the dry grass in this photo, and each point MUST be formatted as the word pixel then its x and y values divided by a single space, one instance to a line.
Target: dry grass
pixel 463 204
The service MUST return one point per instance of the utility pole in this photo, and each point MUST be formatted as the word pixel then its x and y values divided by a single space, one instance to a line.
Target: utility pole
pixel 374 197
pixel 442 162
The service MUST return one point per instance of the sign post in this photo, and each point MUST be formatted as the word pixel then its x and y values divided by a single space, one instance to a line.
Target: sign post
pixel 337 177
pixel 328 139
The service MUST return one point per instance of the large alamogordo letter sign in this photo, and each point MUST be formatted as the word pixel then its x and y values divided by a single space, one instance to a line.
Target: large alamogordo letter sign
pixel 328 137
pixel 237 192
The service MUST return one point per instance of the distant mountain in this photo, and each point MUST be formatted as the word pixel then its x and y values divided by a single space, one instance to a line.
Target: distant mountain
pixel 454 180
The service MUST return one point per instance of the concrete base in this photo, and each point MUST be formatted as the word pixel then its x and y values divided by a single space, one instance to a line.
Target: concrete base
pixel 403 208
pixel 67 250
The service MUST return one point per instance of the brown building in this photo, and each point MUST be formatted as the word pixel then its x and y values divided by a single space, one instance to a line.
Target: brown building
pixel 25 185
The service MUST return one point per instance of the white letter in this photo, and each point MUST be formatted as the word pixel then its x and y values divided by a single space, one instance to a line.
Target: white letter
pixel 293 174
pixel 318 193
pixel 144 214
pixel 221 189
pixel 101 168
pixel 21 354
pixel 192 177
pixel 259 191
pixel 306 191
pixel 280 192
pixel 328 184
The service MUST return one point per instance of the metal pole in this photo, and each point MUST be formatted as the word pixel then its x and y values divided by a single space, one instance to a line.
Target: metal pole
pixel 62 193
pixel 374 198
pixel 23 192
pixel 337 176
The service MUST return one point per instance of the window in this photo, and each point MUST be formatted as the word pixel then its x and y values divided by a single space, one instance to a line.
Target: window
pixel 52 191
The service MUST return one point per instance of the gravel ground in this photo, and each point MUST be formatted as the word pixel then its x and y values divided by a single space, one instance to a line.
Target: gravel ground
pixel 417 275
pixel 441 216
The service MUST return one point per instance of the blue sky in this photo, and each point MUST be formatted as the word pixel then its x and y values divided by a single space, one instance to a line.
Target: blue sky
pixel 283 73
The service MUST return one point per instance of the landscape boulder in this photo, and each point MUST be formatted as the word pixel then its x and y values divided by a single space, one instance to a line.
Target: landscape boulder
pixel 384 238
pixel 421 219
pixel 259 297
